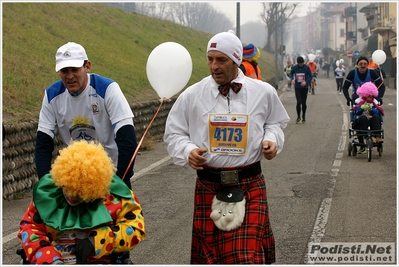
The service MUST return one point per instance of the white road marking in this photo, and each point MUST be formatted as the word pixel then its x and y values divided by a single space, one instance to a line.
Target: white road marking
pixel 319 227
pixel 9 237
pixel 149 168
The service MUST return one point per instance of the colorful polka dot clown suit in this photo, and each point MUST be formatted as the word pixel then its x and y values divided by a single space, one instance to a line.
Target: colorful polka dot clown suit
pixel 81 212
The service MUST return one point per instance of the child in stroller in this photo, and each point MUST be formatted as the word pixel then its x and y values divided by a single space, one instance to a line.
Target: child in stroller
pixel 367 113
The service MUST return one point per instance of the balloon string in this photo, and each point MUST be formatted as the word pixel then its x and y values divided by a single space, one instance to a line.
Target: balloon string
pixel 382 78
pixel 142 138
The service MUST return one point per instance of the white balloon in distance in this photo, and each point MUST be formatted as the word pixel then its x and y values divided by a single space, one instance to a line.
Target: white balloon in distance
pixel 337 63
pixel 169 68
pixel 379 57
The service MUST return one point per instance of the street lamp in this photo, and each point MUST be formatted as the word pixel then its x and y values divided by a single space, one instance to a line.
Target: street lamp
pixel 238 20
pixel 277 71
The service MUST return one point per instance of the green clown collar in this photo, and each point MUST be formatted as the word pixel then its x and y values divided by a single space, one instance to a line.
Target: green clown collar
pixel 55 211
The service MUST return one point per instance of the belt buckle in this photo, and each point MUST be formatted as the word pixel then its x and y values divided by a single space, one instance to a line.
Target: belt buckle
pixel 229 177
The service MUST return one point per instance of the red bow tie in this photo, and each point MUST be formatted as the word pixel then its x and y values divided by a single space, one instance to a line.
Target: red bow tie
pixel 224 89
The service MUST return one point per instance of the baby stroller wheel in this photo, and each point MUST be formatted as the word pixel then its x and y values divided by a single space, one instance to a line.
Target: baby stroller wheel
pixel 21 253
pixel 350 147
pixel 354 150
pixel 369 148
pixel 379 149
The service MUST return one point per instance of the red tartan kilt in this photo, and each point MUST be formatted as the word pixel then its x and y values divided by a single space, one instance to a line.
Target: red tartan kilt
pixel 251 243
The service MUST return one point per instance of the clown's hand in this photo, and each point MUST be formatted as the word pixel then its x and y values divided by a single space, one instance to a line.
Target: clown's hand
pixel 83 250
pixel 366 106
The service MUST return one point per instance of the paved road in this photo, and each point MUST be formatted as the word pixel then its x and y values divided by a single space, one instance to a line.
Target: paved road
pixel 316 192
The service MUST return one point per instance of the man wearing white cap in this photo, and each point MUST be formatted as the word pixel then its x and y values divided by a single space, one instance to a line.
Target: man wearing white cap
pixel 222 126
pixel 85 106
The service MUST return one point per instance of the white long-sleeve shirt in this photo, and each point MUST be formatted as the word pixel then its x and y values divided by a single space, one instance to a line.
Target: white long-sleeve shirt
pixel 188 126
pixel 339 72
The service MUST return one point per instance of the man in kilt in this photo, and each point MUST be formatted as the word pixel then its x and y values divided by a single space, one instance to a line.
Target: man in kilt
pixel 222 126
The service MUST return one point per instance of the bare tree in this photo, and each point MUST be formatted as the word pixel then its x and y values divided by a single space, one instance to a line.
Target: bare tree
pixel 200 16
pixel 153 9
pixel 196 15
pixel 274 15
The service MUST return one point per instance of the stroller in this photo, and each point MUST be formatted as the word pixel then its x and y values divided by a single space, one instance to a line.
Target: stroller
pixel 368 136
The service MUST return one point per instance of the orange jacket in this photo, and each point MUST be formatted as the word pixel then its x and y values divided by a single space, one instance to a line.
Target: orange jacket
pixel 250 70
pixel 372 65
pixel 312 66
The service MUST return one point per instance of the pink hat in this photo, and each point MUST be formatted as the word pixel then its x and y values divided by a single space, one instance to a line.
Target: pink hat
pixel 367 89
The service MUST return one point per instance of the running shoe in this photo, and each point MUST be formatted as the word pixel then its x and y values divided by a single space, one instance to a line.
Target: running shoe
pixel 298 120
pixel 303 120
pixel 362 150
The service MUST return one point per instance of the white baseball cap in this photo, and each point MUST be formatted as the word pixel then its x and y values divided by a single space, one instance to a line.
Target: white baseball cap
pixel 70 55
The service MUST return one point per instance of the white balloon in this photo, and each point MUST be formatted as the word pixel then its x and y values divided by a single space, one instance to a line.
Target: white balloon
pixel 169 68
pixel 379 57
pixel 337 63
pixel 341 61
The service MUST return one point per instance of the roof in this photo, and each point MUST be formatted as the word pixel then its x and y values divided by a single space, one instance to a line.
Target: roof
pixel 368 8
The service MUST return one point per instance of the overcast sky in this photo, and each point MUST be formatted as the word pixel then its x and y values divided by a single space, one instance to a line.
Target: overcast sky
pixel 250 10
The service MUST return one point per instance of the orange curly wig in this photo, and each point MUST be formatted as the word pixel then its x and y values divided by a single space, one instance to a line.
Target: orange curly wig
pixel 83 169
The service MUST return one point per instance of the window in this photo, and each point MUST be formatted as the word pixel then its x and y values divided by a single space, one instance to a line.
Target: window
pixel 342 32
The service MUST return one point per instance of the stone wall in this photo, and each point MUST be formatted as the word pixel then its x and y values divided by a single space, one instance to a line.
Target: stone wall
pixel 19 170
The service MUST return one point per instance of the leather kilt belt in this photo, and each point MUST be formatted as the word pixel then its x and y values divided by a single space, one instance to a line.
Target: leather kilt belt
pixel 230 175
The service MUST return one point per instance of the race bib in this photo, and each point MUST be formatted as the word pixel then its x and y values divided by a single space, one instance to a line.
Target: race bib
pixel 300 77
pixel 228 133
pixel 65 244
